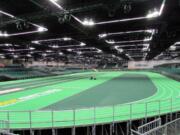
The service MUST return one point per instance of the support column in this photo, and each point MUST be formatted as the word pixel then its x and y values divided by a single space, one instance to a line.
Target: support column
pixel 31 132
pixel 94 126
pixel 102 130
pixel 74 121
pixel 146 105
pixel 53 130
pixel 39 132
pixel 171 100
pixel 94 129
pixel 110 128
pixel 30 120
pixel 88 131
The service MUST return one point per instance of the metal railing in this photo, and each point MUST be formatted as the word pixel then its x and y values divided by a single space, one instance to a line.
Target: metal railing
pixel 4 128
pixel 4 125
pixel 88 116
pixel 171 128
pixel 149 126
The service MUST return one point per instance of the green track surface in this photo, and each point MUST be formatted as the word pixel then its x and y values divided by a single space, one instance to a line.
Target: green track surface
pixel 114 96
pixel 116 91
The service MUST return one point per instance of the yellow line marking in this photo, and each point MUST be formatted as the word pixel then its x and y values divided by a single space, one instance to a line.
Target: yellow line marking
pixel 8 102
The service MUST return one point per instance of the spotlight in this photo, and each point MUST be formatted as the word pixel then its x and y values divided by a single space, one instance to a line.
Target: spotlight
pixel 3 34
pixel 19 26
pixel 127 8
pixel 69 50
pixel 82 44
pixel 110 41
pixel 41 29
pixel 44 54
pixel 153 14
pixel 88 22
pixel 60 53
pixel 99 51
pixel 35 42
pixel 61 20
pixel 65 18
pixel 25 25
pixel 15 56
pixel 55 46
pixel 79 52
pixel 2 57
pixel 29 55
pixel 172 48
pixel 31 48
pixel 111 13
pixel 103 35
pixel 67 39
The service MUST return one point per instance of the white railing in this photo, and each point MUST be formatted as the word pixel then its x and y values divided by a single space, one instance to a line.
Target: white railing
pixel 88 116
pixel 171 128
pixel 4 125
pixel 149 126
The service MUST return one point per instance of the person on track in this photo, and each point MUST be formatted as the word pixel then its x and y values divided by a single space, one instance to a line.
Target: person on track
pixel 93 76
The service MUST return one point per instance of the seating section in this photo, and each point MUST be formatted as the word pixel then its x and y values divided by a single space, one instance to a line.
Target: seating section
pixel 20 73
pixel 175 71
pixel 9 73
pixel 172 72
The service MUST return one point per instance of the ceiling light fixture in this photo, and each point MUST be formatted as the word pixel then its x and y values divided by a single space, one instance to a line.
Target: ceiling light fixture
pixel 150 15
pixel 39 28
pixel 7 14
pixel 31 48
pixel 132 45
pixel 119 49
pixel 153 14
pixel 67 39
pixel 2 57
pixel 110 41
pixel 147 39
pixel 126 32
pixel 79 52
pixel 123 42
pixel 60 53
pixel 99 51
pixel 69 50
pixel 3 34
pixel 55 39
pixel 92 23
pixel 88 22
pixel 29 55
pixel 172 48
pixel 103 35
pixel 35 42
pixel 54 46
pixel 82 44
pixel 44 54
pixel 56 4
pixel 15 56
pixel 177 43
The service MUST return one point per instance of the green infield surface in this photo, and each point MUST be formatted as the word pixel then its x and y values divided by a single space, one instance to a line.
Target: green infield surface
pixel 75 100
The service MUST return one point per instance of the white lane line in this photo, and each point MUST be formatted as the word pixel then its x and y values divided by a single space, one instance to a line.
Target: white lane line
pixel 10 90
pixel 33 96
pixel 40 94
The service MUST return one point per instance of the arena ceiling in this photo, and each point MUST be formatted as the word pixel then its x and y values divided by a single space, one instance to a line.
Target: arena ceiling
pixel 89 30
